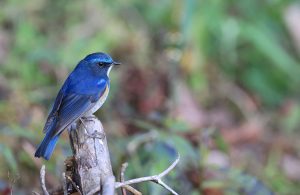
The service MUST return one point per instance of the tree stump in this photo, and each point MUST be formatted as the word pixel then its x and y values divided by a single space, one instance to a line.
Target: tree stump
pixel 92 166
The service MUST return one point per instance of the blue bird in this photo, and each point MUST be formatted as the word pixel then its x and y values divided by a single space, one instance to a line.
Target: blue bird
pixel 82 94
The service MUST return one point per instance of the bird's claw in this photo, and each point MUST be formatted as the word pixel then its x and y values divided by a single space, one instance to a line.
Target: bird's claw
pixel 89 118
pixel 96 135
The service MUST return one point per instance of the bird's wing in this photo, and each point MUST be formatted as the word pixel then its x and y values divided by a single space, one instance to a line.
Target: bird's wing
pixel 53 113
pixel 71 107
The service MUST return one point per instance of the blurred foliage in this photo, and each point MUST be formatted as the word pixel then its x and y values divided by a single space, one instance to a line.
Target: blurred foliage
pixel 197 77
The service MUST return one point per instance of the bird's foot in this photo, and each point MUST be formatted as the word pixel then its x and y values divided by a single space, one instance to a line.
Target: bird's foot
pixel 96 135
pixel 89 118
pixel 81 120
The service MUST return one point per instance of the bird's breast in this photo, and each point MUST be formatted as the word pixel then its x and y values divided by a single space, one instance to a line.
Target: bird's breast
pixel 99 103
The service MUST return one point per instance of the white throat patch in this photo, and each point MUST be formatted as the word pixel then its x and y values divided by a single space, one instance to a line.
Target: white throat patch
pixel 109 69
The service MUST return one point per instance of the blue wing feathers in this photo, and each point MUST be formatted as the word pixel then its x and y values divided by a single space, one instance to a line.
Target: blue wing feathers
pixel 47 146
pixel 55 108
pixel 69 112
pixel 50 147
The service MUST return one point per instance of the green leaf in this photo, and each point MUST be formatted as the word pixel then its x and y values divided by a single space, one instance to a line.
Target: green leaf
pixel 264 42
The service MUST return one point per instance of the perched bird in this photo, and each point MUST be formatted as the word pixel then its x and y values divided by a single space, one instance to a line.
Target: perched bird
pixel 82 94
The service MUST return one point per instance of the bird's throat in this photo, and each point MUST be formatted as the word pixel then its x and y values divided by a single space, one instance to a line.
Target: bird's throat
pixel 109 69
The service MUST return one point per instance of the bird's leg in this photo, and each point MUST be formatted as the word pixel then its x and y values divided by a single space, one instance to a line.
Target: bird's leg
pixel 81 120
pixel 72 127
pixel 89 118
pixel 94 135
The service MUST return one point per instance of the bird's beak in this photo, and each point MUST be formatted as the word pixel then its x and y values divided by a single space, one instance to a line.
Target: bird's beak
pixel 116 63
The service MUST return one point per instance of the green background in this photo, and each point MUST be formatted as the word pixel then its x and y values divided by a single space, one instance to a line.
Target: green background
pixel 216 81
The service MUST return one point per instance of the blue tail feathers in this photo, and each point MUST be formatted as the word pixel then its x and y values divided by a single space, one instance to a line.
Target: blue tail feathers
pixel 47 146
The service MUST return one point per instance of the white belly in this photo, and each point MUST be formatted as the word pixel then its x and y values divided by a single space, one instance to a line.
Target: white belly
pixel 99 103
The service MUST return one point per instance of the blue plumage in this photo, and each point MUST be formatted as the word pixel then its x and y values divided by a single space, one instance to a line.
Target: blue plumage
pixel 83 92
pixel 47 146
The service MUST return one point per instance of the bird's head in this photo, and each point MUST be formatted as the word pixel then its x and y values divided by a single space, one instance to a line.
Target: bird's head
pixel 102 60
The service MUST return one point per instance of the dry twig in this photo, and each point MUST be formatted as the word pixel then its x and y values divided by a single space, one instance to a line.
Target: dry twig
pixel 64 183
pixel 132 190
pixel 74 184
pixel 42 180
pixel 155 178
pixel 127 187
pixel 123 168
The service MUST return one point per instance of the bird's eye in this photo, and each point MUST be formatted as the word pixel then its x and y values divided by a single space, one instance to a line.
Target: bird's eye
pixel 100 63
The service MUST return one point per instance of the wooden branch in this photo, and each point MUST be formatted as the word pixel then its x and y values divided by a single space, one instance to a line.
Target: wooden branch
pixel 93 172
pixel 155 178
pixel 89 171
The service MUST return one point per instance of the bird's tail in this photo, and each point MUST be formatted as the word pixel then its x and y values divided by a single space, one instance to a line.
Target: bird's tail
pixel 47 146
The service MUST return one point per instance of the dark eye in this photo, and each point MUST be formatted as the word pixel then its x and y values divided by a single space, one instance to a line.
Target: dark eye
pixel 100 63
